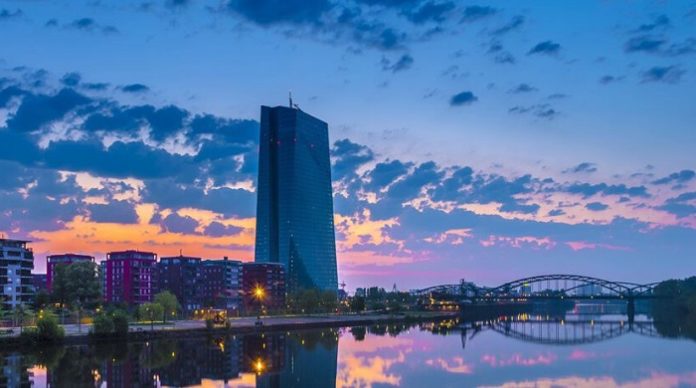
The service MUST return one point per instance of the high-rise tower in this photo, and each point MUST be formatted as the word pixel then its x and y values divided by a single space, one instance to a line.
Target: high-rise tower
pixel 294 215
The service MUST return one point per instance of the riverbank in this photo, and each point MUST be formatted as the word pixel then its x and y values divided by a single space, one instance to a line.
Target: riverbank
pixel 76 334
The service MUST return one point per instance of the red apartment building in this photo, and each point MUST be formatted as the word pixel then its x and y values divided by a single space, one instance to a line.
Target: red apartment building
pixel 129 277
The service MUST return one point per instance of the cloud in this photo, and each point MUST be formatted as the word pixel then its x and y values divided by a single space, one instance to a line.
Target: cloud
pixel 659 46
pixel 665 74
pixel 660 22
pixel 609 79
pixel 163 122
pixel 385 173
pixel 463 98
pixel 542 111
pixel 135 88
pixel 680 177
pixel 474 13
pixel 587 190
pixel 6 14
pixel 348 157
pixel 546 48
pixel 217 229
pixel 120 212
pixel 272 12
pixel 523 88
pixel 430 12
pixel 175 223
pixel 71 79
pixel 178 3
pixel 405 62
pixel 515 23
pixel 682 206
pixel 585 167
pixel 449 189
pixel 644 43
pixel 38 110
pixel 500 55
pixel 596 206
pixel 90 25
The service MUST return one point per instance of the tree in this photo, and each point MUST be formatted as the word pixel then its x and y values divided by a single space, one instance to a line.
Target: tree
pixel 47 327
pixel 357 304
pixel 83 283
pixel 150 311
pixel 312 301
pixel 42 299
pixel 19 314
pixel 168 302
pixel 76 285
pixel 59 285
pixel 103 324
pixel 120 319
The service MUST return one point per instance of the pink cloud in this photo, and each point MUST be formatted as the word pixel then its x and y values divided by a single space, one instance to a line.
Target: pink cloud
pixel 519 242
pixel 580 245
pixel 519 360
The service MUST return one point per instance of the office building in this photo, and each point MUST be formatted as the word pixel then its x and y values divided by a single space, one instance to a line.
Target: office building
pixel 53 261
pixel 16 264
pixel 263 286
pixel 128 277
pixel 294 219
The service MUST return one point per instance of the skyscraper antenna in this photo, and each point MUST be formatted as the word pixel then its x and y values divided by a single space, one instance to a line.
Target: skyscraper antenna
pixel 290 97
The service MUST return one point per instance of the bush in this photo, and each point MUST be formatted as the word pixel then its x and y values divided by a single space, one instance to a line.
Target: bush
pixel 47 330
pixel 103 324
pixel 120 320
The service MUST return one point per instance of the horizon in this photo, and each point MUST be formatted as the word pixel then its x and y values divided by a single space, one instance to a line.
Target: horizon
pixel 479 141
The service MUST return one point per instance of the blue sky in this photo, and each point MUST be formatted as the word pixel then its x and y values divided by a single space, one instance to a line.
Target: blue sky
pixel 469 136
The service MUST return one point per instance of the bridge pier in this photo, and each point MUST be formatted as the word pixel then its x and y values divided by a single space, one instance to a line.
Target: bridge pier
pixel 631 310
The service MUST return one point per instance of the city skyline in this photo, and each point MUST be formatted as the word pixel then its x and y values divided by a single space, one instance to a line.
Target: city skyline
pixel 484 141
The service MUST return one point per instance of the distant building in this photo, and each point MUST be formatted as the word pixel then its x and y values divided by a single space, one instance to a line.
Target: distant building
pixel 222 284
pixel 128 277
pixel 16 264
pixel 181 275
pixel 54 261
pixel 38 281
pixel 294 216
pixel 267 277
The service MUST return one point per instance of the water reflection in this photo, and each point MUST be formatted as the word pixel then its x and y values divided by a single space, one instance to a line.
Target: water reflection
pixel 518 350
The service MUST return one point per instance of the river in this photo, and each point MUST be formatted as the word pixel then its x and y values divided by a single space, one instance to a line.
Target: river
pixel 524 350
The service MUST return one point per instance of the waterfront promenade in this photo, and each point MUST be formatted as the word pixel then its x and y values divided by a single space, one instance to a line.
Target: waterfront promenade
pixel 248 324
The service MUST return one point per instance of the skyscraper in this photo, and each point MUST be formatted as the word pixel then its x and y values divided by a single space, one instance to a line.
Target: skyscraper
pixel 294 215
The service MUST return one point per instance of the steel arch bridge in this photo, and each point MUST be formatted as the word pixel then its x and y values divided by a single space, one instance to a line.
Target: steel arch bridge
pixel 553 286
pixel 564 333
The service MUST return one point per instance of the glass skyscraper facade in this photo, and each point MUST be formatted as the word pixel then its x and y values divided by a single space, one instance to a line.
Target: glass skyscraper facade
pixel 294 215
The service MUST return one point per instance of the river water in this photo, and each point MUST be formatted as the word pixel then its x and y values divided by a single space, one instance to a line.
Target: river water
pixel 516 351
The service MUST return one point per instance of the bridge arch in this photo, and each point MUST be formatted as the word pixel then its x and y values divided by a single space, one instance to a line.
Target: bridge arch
pixel 559 284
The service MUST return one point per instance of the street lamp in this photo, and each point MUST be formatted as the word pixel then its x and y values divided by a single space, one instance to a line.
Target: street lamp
pixel 259 294
pixel 259 366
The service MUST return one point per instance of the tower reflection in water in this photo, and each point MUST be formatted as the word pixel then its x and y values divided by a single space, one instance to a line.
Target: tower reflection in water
pixel 297 359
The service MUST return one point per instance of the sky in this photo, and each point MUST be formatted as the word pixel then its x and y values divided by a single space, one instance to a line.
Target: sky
pixel 476 140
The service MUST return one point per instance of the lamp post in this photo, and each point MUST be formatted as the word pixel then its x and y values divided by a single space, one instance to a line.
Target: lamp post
pixel 259 295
